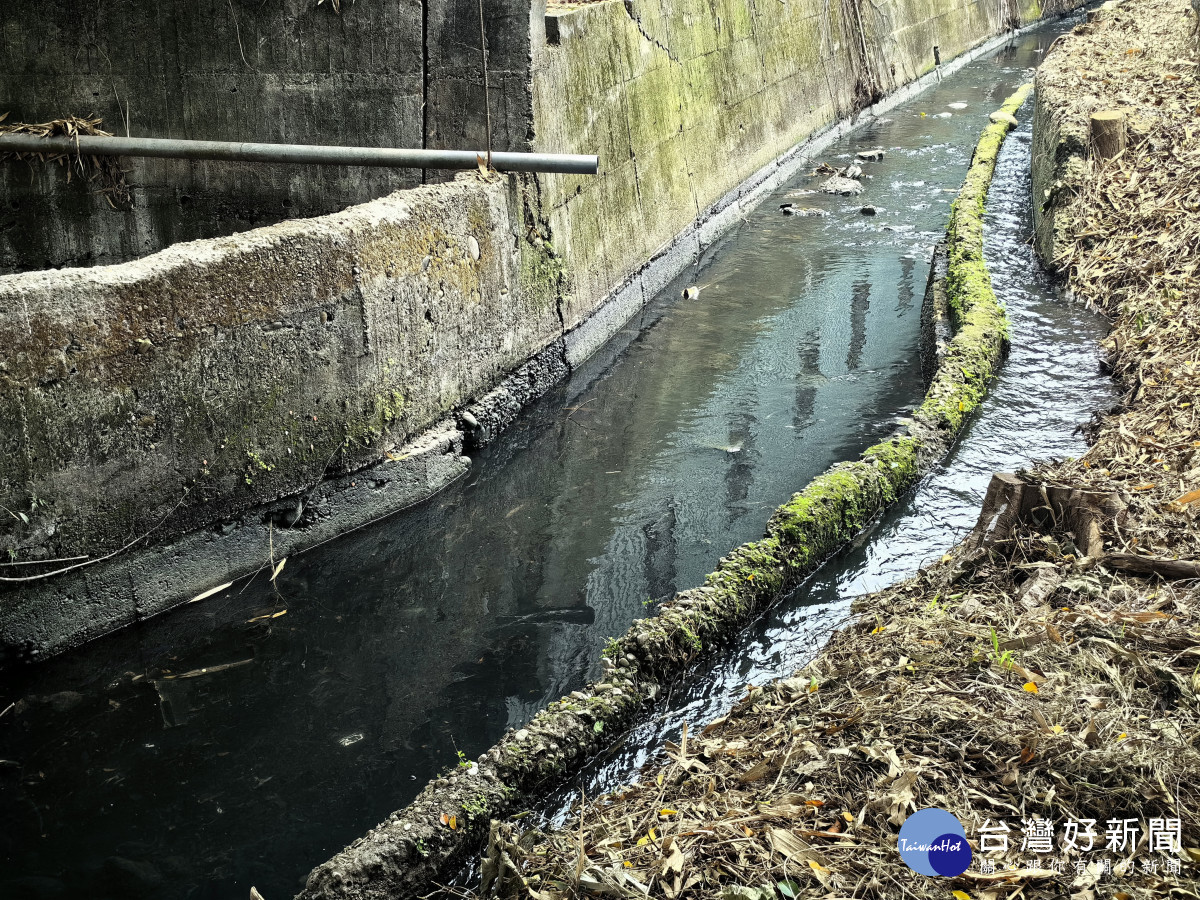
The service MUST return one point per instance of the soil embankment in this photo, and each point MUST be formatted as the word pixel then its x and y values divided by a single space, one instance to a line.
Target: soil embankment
pixel 1046 668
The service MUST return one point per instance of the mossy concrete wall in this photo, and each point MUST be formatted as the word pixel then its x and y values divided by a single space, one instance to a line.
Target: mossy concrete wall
pixel 689 104
pixel 178 393
pixel 404 73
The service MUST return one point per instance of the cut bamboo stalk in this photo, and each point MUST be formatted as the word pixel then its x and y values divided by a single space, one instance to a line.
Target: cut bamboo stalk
pixel 1108 134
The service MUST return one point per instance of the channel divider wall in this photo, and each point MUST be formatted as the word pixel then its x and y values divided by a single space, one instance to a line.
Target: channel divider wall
pixel 420 844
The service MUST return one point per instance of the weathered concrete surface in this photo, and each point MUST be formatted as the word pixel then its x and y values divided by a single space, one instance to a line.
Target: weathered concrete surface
pixel 80 605
pixel 182 391
pixel 697 108
pixel 397 74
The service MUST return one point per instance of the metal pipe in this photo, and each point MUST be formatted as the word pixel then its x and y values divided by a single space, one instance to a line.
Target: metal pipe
pixel 233 151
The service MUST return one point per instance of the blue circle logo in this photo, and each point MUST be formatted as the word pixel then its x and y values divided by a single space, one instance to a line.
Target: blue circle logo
pixel 933 842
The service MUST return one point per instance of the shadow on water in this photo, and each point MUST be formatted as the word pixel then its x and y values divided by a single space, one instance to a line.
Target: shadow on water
pixel 246 738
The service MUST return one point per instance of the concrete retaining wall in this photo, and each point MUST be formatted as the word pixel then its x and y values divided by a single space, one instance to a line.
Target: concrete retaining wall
pixel 691 104
pixel 395 74
pixel 187 390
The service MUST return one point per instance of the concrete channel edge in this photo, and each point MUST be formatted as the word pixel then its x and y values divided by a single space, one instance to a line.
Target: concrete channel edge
pixel 404 855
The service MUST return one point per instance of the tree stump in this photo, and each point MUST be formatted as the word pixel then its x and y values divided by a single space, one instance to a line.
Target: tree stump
pixel 1011 502
pixel 1108 134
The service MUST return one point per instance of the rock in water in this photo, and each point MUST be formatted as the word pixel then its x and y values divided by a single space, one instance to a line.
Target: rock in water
pixel 870 155
pixel 868 210
pixel 801 211
pixel 853 171
pixel 847 187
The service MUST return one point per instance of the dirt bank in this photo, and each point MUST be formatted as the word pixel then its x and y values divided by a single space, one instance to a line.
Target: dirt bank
pixel 1045 671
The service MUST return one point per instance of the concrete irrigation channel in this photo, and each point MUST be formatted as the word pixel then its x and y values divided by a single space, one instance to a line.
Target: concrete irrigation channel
pixel 245 738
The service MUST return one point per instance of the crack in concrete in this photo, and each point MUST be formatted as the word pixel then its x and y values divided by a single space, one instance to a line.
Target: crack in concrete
pixel 633 17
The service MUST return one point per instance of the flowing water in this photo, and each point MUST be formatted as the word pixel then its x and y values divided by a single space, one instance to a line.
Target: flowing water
pixel 1050 384
pixel 244 739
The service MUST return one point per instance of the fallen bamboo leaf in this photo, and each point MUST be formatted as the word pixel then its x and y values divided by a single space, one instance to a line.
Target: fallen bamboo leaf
pixel 1011 875
pixel 278 568
pixel 209 670
pixel 274 615
pixel 211 591
pixel 792 847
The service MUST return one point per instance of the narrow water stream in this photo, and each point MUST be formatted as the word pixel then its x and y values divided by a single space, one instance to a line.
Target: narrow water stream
pixel 1050 384
pixel 126 770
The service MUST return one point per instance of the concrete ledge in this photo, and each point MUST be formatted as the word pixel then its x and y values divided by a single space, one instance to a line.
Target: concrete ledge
pixel 73 608
pixel 217 384
pixel 936 332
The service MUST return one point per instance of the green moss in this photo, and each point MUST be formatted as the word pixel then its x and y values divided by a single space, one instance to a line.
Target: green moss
pixel 809 527
pixel 259 462
pixel 543 274
pixel 981 324
pixel 839 503
pixel 476 807
pixel 389 407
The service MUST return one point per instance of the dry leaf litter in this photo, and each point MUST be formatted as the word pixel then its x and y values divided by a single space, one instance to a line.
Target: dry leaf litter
pixel 102 173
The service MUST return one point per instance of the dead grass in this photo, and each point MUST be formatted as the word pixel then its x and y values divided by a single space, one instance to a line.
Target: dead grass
pixel 947 691
pixel 1135 256
pixel 102 173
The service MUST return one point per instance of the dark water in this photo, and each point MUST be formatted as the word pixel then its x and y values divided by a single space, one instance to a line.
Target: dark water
pixel 246 738
pixel 1050 384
